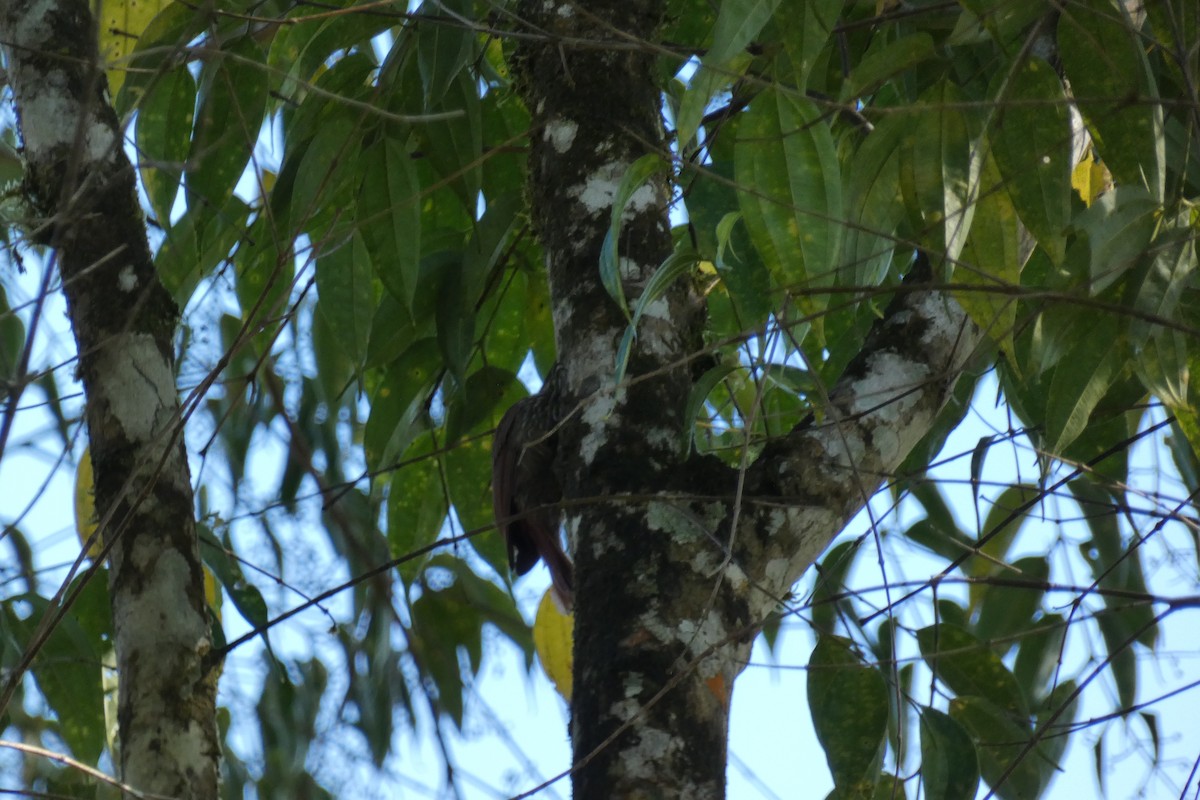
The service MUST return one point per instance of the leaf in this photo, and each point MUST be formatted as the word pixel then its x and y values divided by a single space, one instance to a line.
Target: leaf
pixel 886 63
pixel 940 161
pixel 232 103
pixel 416 508
pixel 164 134
pixel 632 182
pixel 833 573
pixel 67 671
pixel 228 572
pixel 389 216
pixel 949 764
pixel 1031 139
pixel 790 192
pixel 969 667
pixel 699 393
pixel 849 705
pixel 874 202
pixel 1004 519
pixel 1080 381
pixel 120 24
pixel 991 261
pixel 738 22
pixel 12 339
pixel 676 265
pixel 454 146
pixel 444 44
pixel 397 403
pixel 552 636
pixel 468 469
pixel 804 32
pixel 1119 226
pixel 999 743
pixel 1008 612
pixel 1005 20
pixel 949 544
pixel 1039 653
pixel 1114 89
pixel 198 243
pixel 346 296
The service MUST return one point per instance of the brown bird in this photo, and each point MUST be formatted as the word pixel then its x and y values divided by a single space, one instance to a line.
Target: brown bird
pixel 525 488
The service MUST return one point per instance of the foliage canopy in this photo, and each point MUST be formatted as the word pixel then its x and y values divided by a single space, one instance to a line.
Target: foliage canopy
pixel 336 197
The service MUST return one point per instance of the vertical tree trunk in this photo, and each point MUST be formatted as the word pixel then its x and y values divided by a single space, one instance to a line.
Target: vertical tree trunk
pixel 590 85
pixel 667 598
pixel 82 185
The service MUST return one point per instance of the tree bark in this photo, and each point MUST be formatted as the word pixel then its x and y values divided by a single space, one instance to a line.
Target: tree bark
pixel 667 603
pixel 81 184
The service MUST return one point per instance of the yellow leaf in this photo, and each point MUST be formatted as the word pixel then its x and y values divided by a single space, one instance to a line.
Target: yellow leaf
pixel 552 640
pixel 85 504
pixel 1090 178
pixel 121 22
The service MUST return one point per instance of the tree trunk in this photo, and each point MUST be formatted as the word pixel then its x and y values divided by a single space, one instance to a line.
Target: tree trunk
pixel 81 184
pixel 667 602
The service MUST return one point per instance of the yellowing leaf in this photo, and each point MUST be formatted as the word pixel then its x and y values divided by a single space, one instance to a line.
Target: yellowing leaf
pixel 553 642
pixel 85 504
pixel 121 22
pixel 1091 178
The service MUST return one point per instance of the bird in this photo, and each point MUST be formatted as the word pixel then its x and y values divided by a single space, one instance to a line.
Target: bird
pixel 526 494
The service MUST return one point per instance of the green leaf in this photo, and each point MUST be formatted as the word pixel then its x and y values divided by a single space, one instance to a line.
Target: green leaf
pixel 1081 380
pixel 676 265
pixel 1005 20
pixel 1111 79
pixel 389 216
pixel 67 671
pixel 444 44
pixel 804 31
pixel 1055 734
pixel 164 133
pixel 398 402
pixel 454 146
pixel 889 61
pixel 832 575
pixel 738 22
pixel 940 161
pixel 949 764
pixel 232 103
pixel 157 51
pixel 469 479
pixel 1006 612
pixel 12 339
pixel 197 243
pixel 632 182
pixel 849 705
pixel 874 202
pixel 1040 653
pixel 416 507
pixel 699 393
pixel 999 743
pixel 1031 137
pixel 482 396
pixel 346 296
pixel 1119 226
pixel 245 596
pixel 969 667
pixel 991 261
pixel 790 192
pixel 949 544
pixel 1006 516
